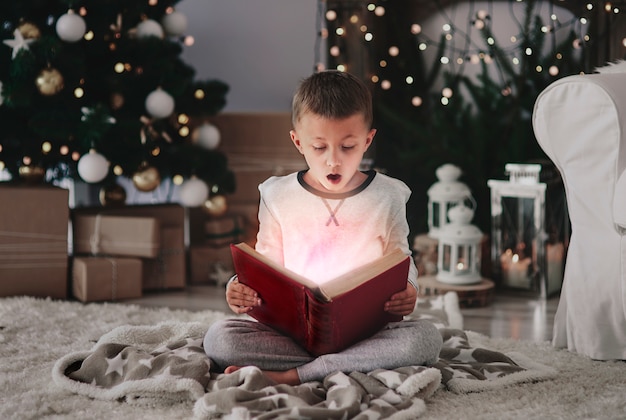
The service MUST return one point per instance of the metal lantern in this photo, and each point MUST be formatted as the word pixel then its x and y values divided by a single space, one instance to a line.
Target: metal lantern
pixel 444 194
pixel 523 255
pixel 458 260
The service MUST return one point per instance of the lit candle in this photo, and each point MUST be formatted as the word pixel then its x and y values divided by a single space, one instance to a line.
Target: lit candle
pixel 514 269
pixel 555 256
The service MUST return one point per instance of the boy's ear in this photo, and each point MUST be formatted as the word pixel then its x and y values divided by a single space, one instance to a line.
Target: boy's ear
pixel 370 138
pixel 295 140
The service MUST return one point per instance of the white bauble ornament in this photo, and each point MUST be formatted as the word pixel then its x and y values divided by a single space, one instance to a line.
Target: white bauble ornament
pixel 208 136
pixel 175 23
pixel 194 192
pixel 159 104
pixel 148 28
pixel 93 167
pixel 71 27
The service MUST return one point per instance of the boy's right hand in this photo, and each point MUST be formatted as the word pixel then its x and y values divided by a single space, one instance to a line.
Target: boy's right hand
pixel 241 298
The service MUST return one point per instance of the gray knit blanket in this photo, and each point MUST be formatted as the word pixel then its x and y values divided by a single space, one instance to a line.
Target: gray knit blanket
pixel 166 363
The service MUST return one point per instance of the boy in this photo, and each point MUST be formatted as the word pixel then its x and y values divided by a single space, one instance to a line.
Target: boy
pixel 321 223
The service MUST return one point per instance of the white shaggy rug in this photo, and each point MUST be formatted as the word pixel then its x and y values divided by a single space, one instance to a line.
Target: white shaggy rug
pixel 35 333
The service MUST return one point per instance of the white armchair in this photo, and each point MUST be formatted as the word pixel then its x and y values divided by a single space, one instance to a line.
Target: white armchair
pixel 580 123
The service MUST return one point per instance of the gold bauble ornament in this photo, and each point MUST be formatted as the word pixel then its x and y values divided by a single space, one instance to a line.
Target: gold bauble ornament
pixel 112 196
pixel 215 205
pixel 32 174
pixel 147 178
pixel 49 82
pixel 29 30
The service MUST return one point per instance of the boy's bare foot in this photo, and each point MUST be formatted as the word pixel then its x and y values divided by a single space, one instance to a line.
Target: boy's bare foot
pixel 287 377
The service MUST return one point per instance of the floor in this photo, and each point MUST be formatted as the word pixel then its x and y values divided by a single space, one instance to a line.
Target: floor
pixel 507 316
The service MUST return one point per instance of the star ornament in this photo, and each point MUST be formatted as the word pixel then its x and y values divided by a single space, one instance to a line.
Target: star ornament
pixel 19 43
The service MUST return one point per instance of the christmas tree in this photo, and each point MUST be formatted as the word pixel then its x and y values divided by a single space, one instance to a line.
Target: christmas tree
pixel 96 89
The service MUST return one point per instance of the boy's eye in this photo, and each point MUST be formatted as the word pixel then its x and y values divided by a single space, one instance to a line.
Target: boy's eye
pixel 319 147
pixel 347 147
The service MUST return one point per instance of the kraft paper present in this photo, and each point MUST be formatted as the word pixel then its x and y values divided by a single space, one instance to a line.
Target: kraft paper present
pixel 33 241
pixel 224 230
pixel 117 235
pixel 168 269
pixel 103 278
pixel 210 265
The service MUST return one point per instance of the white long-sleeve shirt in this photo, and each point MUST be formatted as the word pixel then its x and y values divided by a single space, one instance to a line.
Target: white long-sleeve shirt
pixel 322 235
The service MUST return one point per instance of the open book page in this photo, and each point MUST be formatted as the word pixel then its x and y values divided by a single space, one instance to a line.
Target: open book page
pixel 338 285
pixel 360 275
pixel 293 275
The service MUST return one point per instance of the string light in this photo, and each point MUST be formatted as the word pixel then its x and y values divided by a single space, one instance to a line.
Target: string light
pixel 178 179
pixel 462 43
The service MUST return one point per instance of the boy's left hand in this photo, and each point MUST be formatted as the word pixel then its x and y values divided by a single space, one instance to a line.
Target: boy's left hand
pixel 402 303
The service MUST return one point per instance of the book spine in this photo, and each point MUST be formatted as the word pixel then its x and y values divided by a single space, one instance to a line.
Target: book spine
pixel 320 325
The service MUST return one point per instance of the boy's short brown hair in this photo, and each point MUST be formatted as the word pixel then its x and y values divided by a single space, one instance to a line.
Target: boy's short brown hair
pixel 332 94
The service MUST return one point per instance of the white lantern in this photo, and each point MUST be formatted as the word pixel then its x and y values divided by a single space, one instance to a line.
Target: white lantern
pixel 443 195
pixel 458 259
pixel 518 236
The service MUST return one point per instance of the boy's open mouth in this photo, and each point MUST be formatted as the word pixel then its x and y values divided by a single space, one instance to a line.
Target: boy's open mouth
pixel 334 178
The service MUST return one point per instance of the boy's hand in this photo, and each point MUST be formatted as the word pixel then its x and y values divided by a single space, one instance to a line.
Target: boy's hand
pixel 402 303
pixel 241 298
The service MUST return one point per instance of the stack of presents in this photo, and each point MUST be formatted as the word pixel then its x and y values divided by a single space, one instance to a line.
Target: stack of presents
pixel 107 254
pixel 96 253
pixel 120 252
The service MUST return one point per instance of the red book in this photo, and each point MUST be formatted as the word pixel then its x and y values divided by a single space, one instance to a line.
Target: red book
pixel 322 318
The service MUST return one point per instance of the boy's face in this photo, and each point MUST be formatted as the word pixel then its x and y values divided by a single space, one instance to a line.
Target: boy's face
pixel 333 149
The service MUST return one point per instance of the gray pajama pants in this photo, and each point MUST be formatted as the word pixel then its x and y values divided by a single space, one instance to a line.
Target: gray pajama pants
pixel 240 342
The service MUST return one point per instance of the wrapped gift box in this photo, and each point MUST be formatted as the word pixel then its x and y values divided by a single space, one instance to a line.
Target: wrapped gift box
pixel 33 241
pixel 239 224
pixel 168 269
pixel 103 278
pixel 210 265
pixel 117 235
pixel 224 230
